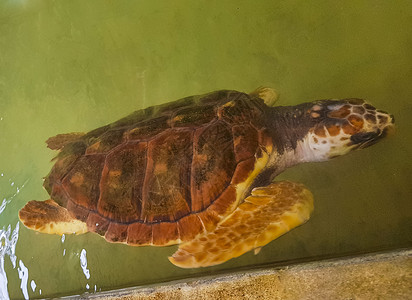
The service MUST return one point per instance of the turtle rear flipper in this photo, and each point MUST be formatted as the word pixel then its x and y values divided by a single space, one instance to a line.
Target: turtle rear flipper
pixel 266 214
pixel 59 141
pixel 49 217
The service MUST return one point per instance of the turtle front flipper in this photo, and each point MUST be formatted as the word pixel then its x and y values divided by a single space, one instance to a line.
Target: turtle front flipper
pixel 269 95
pixel 266 214
pixel 49 217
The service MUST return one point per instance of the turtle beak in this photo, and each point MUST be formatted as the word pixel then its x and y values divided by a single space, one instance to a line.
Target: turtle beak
pixel 366 139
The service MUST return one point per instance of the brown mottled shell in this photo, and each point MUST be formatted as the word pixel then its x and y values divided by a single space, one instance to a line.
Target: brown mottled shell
pixel 163 174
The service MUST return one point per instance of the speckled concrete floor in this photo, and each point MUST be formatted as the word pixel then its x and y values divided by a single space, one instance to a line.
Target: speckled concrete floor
pixel 376 276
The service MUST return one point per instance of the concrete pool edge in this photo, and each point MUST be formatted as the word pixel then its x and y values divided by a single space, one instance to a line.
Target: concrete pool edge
pixel 385 275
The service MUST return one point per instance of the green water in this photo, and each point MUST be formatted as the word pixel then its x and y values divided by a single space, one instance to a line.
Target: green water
pixel 75 65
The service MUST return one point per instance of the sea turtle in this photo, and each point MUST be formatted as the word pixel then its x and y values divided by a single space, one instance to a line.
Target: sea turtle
pixel 198 172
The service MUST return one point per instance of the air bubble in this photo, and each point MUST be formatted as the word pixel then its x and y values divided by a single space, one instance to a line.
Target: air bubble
pixel 24 276
pixel 83 263
pixel 33 285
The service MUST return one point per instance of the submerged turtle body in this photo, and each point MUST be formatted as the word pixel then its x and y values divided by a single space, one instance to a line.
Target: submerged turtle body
pixel 162 175
pixel 184 172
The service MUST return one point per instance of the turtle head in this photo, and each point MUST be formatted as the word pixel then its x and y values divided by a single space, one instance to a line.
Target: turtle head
pixel 338 126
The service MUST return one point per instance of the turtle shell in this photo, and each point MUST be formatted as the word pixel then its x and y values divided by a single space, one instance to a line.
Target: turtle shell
pixel 165 173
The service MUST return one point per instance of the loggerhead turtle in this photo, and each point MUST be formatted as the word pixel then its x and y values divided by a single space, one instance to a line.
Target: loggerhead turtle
pixel 198 172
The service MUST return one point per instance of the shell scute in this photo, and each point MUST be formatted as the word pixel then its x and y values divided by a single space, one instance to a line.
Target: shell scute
pixel 218 97
pixel 169 108
pixel 213 164
pixel 53 182
pixel 139 234
pixel 106 141
pixel 224 203
pixel 121 182
pixel 130 120
pixel 148 129
pixel 82 183
pixel 166 197
pixel 243 170
pixel 189 227
pixel 97 223
pixel 245 140
pixel 241 110
pixel 116 233
pixel 164 232
pixel 77 211
pixel 193 116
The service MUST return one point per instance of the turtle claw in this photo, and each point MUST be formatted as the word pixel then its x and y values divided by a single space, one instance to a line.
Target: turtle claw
pixel 257 250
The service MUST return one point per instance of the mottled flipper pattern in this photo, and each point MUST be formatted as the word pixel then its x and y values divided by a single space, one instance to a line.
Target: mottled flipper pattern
pixel 266 214
pixel 49 217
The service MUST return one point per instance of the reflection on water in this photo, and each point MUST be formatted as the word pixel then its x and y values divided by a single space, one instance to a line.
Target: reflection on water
pixel 33 286
pixel 86 271
pixel 9 199
pixel 24 277
pixel 8 242
pixel 83 264
pixel 63 238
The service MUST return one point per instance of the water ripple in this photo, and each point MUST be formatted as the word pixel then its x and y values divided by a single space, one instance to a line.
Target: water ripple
pixel 24 276
pixel 8 200
pixel 8 241
pixel 83 264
